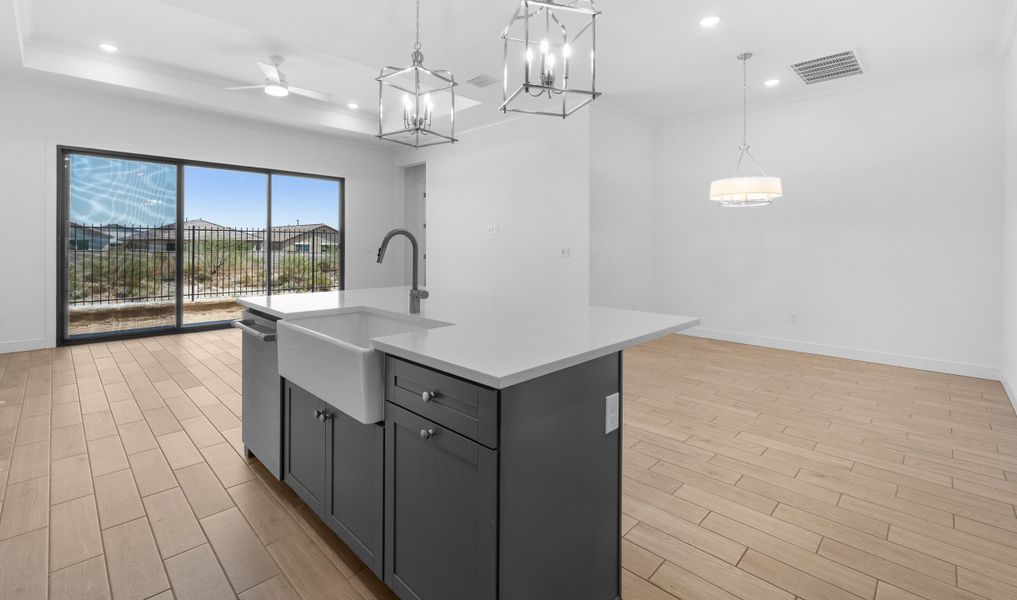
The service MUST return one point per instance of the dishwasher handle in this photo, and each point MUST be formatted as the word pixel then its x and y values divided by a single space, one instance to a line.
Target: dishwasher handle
pixel 251 327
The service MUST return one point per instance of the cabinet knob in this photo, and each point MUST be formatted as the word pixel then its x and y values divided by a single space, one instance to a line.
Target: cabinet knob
pixel 425 434
pixel 317 415
pixel 428 396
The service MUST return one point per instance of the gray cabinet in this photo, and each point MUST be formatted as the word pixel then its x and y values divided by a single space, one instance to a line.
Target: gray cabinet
pixel 336 465
pixel 511 494
pixel 471 493
pixel 355 490
pixel 304 446
pixel 441 511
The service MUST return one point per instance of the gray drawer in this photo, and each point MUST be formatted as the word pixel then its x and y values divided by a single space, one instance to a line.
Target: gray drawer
pixel 466 408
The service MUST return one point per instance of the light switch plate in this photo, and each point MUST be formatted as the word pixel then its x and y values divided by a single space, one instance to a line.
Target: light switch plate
pixel 611 413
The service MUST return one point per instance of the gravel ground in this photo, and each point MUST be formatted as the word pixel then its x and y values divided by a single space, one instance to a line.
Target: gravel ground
pixel 120 317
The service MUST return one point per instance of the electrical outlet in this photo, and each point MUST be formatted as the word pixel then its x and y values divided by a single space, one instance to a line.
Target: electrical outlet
pixel 494 229
pixel 566 252
pixel 611 413
pixel 794 318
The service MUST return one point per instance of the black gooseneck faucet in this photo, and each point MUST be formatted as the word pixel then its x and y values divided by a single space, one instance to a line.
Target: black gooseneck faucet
pixel 415 294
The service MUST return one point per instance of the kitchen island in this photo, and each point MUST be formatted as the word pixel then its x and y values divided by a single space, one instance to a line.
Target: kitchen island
pixel 494 468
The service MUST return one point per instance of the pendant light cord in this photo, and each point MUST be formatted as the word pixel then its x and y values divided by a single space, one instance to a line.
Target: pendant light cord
pixel 416 46
pixel 745 103
pixel 745 116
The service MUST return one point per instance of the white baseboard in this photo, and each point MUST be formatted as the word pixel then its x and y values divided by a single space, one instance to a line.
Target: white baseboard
pixel 1011 391
pixel 897 360
pixel 24 345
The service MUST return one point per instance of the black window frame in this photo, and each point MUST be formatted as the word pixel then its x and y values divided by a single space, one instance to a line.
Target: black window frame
pixel 63 216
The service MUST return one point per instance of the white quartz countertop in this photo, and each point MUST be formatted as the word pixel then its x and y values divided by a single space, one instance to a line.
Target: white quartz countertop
pixel 494 341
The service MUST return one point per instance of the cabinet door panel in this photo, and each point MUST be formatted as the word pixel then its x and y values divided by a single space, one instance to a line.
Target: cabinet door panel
pixel 441 511
pixel 354 506
pixel 305 447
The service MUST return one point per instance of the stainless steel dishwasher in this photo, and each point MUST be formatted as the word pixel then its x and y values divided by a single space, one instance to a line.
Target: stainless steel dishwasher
pixel 262 391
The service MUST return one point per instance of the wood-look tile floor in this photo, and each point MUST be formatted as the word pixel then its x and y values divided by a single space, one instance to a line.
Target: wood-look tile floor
pixel 122 475
pixel 750 474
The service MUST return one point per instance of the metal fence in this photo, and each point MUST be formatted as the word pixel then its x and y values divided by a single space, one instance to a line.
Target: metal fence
pixel 110 264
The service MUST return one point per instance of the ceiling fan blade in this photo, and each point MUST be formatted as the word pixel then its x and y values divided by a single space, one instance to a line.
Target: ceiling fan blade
pixel 270 71
pixel 311 93
pixel 245 87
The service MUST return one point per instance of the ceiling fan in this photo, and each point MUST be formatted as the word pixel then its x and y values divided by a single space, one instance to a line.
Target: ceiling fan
pixel 275 83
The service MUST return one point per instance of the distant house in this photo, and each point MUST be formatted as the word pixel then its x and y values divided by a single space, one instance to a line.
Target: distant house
pixel 314 237
pixel 118 232
pixel 164 239
pixel 81 237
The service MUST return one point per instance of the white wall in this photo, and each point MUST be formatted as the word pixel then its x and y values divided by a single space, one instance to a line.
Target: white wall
pixel 35 121
pixel 622 168
pixel 530 178
pixel 414 181
pixel 887 244
pixel 1010 228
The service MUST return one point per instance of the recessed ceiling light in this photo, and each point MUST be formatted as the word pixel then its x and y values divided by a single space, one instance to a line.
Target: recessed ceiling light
pixel 107 47
pixel 353 106
pixel 710 21
pixel 771 82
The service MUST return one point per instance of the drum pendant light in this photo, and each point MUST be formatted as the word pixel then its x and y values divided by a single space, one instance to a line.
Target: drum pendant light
pixel 741 192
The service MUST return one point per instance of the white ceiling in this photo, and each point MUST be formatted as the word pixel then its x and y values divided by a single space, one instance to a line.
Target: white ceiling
pixel 653 57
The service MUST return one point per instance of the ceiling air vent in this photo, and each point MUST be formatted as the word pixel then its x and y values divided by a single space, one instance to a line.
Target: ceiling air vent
pixel 482 81
pixel 827 68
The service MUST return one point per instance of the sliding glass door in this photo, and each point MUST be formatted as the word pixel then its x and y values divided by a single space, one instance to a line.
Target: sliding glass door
pixel 150 245
pixel 119 237
pixel 224 241
pixel 306 234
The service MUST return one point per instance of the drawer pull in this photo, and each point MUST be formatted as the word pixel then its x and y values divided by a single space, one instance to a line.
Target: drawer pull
pixel 426 434
pixel 428 396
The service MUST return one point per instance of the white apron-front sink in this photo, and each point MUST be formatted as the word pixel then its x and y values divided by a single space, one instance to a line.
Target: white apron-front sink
pixel 332 358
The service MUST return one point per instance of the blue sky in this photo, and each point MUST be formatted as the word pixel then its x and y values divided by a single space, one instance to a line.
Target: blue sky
pixel 238 198
pixel 305 199
pixel 107 191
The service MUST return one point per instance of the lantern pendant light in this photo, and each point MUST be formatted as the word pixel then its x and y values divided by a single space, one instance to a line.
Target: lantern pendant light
pixel 549 65
pixel 741 192
pixel 426 99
